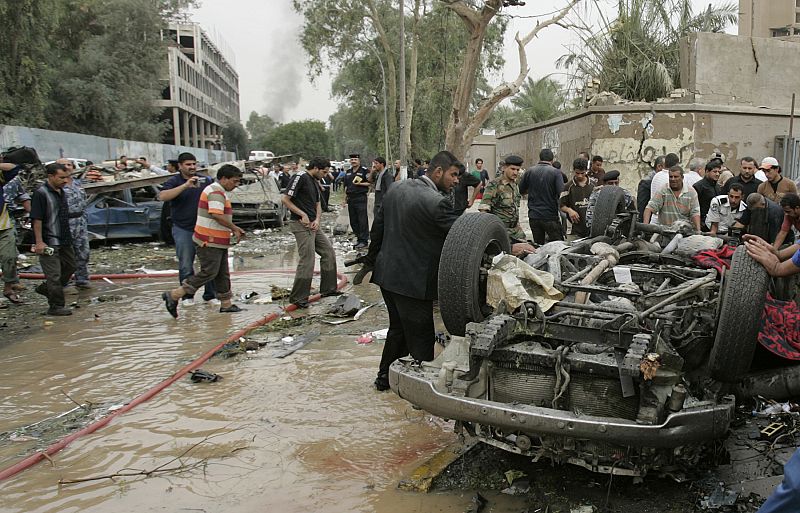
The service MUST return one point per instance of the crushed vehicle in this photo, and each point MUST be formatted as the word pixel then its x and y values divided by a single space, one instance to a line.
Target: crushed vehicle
pixel 622 360
pixel 127 209
pixel 257 199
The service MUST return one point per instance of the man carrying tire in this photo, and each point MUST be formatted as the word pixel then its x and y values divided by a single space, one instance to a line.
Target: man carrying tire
pixel 406 261
pixel 502 197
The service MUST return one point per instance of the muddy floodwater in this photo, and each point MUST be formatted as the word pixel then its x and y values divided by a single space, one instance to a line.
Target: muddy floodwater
pixel 304 433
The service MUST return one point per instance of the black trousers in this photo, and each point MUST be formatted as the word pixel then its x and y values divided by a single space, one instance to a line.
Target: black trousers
pixel 359 222
pixel 410 329
pixel 545 231
pixel 58 269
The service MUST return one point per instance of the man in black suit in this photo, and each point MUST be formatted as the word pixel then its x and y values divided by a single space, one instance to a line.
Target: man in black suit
pixel 406 261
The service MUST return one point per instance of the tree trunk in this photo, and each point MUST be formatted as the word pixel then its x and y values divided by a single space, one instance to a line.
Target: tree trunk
pixel 411 86
pixel 391 70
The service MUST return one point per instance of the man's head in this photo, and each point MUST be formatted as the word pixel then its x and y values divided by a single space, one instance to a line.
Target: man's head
pixel 698 166
pixel 122 162
pixel 379 164
pixel 68 165
pixel 57 175
pixel 790 203
pixel 443 170
pixel 597 163
pixel 478 164
pixel 584 155
pixel 397 165
pixel 318 166
pixel 771 168
pixel 671 160
pixel 611 178
pixel 735 196
pixel 355 160
pixel 513 164
pixel 229 177
pixel 172 166
pixel 755 200
pixel 580 167
pixel 713 169
pixel 546 155
pixel 748 166
pixel 676 178
pixel 659 163
pixel 187 164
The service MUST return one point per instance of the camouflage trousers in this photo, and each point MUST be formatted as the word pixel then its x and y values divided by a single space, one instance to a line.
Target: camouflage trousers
pixel 80 245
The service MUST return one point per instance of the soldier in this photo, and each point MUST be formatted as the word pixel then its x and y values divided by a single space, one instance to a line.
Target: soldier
pixel 725 210
pixel 78 219
pixel 502 198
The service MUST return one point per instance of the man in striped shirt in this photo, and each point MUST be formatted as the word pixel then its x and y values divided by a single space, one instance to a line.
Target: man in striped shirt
pixel 214 233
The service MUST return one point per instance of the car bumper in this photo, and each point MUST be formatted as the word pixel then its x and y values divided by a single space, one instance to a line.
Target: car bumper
pixel 690 425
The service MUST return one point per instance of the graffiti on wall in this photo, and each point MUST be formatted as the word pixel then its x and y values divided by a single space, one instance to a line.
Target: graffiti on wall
pixel 551 139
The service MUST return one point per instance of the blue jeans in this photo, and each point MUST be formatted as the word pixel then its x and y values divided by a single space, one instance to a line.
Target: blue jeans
pixel 185 248
pixel 786 496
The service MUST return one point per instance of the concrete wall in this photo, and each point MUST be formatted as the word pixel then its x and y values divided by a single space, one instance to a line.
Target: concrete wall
pixel 629 137
pixel 52 145
pixel 723 69
pixel 483 147
pixel 759 17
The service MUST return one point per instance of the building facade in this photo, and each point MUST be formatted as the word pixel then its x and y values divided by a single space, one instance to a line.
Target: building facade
pixel 769 18
pixel 201 93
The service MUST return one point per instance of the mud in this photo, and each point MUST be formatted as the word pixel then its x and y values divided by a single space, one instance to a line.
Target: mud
pixel 303 433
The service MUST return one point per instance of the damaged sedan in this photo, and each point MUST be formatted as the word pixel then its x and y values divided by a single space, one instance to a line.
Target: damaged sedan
pixel 619 353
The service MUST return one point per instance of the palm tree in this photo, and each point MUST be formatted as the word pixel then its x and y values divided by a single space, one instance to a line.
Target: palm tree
pixel 539 100
pixel 636 55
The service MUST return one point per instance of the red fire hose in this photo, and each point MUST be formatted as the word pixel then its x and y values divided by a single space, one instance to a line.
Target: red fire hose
pixel 91 428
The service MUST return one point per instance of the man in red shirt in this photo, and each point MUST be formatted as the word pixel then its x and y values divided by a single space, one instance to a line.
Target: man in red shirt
pixel 790 203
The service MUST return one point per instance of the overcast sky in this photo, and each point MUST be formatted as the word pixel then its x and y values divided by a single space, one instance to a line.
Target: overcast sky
pixel 264 37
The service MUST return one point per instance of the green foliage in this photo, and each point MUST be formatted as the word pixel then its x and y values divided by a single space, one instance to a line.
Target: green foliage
pixel 87 66
pixel 306 139
pixel 235 138
pixel 537 100
pixel 636 55
pixel 259 126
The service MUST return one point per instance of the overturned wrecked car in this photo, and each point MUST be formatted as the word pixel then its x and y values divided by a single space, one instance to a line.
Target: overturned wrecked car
pixel 621 354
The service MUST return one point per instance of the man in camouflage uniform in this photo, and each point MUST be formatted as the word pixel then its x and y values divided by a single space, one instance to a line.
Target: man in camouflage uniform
pixel 76 203
pixel 17 201
pixel 502 198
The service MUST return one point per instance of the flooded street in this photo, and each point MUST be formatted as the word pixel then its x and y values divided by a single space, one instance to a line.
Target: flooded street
pixel 304 433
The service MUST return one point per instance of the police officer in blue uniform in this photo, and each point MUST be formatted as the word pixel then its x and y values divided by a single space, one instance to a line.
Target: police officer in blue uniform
pixel 356 187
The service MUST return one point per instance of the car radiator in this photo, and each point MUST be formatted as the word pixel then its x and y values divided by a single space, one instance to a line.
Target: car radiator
pixel 587 394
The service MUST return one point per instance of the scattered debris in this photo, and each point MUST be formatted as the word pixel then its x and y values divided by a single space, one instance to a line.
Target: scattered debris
pixel 583 509
pixel 372 336
pixel 279 292
pixel 245 297
pixel 477 504
pixel 296 343
pixel 513 475
pixel 345 306
pixel 719 498
pixel 201 376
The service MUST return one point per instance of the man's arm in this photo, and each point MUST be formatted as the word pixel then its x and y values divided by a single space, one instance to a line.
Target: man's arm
pixel 780 238
pixel 315 223
pixel 696 222
pixel 714 227
pixel 762 252
pixel 174 192
pixel 221 219
pixel 294 208
pixel 648 213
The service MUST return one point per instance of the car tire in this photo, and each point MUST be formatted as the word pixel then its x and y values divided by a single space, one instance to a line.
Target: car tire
pixel 610 202
pixel 742 298
pixel 466 256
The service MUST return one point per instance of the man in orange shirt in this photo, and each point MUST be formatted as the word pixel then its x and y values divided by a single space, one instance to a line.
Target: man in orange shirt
pixel 214 233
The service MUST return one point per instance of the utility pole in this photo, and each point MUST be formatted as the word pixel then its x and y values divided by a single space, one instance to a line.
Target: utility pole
pixel 403 127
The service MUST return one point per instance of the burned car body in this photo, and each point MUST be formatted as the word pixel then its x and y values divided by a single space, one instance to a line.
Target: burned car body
pixel 629 372
pixel 257 199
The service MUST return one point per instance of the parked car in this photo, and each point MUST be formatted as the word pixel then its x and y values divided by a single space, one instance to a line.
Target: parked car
pixel 257 199
pixel 633 370
pixel 129 213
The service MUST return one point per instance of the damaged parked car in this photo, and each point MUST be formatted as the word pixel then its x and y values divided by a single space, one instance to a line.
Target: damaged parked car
pixel 618 353
pixel 257 199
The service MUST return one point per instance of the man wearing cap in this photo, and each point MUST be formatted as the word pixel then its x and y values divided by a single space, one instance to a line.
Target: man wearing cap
pixel 725 210
pixel 611 178
pixel 674 202
pixel 502 198
pixel 183 191
pixel 575 200
pixel 775 187
pixel 746 178
pixel 356 187
pixel 543 184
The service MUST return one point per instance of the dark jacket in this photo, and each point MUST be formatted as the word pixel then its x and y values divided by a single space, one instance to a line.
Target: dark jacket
pixel 408 234
pixel 707 190
pixel 543 184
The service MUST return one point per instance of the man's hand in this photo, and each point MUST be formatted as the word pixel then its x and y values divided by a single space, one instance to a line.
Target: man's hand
pixel 304 219
pixel 240 234
pixel 574 217
pixel 757 241
pixel 191 182
pixel 522 249
pixel 39 248
pixel 314 225
pixel 762 252
pixel 470 203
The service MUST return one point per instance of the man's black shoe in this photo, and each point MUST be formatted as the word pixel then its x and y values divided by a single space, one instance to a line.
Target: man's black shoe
pixel 171 304
pixel 58 311
pixel 231 309
pixel 331 293
pixel 41 289
pixel 301 304
pixel 382 383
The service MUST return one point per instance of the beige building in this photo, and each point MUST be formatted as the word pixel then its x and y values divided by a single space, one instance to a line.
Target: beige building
pixel 201 93
pixel 769 18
